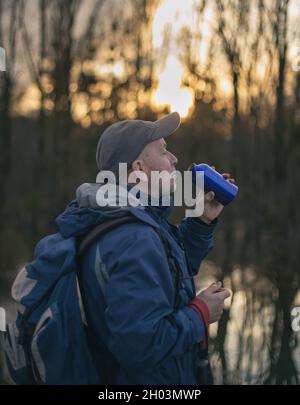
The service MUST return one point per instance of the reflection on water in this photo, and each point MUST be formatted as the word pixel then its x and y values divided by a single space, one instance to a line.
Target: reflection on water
pixel 249 328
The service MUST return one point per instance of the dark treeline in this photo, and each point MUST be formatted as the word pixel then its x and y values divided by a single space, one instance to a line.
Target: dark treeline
pixel 251 131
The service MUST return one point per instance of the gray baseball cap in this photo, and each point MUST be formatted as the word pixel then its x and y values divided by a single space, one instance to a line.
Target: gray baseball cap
pixel 123 141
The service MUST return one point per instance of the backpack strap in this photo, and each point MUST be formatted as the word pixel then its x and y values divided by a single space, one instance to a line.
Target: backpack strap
pixel 99 230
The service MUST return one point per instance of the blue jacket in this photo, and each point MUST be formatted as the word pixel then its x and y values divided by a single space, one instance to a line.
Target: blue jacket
pixel 129 292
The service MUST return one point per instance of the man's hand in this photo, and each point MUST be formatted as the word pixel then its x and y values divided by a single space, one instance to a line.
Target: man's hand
pixel 214 297
pixel 212 208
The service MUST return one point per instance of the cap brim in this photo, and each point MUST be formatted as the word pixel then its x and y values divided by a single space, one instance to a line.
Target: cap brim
pixel 166 126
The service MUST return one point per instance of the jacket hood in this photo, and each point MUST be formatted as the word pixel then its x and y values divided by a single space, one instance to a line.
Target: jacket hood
pixel 85 211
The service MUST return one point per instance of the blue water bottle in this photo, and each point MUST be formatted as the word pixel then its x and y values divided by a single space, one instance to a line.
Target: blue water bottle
pixel 224 191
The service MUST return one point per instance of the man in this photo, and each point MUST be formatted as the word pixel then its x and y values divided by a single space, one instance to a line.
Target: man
pixel 146 328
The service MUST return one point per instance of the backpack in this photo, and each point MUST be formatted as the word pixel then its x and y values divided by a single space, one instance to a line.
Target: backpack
pixel 49 342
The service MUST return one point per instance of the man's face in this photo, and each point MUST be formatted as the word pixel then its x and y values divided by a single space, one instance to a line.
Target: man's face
pixel 156 157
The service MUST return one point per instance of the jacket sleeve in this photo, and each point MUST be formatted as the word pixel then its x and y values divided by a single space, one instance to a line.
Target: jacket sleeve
pixel 197 238
pixel 144 329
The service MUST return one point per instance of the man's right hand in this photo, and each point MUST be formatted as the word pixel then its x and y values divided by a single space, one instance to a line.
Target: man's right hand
pixel 214 297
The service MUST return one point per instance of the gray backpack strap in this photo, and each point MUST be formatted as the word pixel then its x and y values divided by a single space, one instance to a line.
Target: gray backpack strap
pixel 101 229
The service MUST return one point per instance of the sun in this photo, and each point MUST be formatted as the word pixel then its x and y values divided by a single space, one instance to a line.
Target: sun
pixel 170 92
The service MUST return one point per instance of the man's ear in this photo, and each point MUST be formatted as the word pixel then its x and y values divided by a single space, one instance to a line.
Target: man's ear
pixel 137 165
